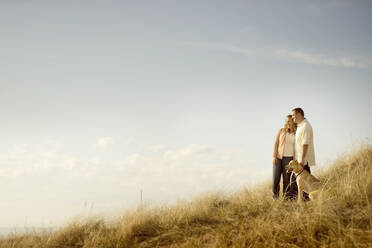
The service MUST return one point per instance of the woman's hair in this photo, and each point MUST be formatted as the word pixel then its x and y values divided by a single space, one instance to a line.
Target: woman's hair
pixel 294 125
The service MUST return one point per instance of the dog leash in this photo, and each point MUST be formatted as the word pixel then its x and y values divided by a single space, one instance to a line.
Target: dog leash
pixel 290 178
pixel 300 172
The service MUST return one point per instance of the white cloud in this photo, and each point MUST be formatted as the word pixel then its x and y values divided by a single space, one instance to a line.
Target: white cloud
pixel 164 176
pixel 128 141
pixel 105 141
pixel 157 148
pixel 280 53
pixel 221 46
pixel 27 53
pixel 192 163
pixel 320 59
pixel 192 150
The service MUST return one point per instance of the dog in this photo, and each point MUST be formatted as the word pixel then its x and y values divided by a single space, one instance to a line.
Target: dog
pixel 305 181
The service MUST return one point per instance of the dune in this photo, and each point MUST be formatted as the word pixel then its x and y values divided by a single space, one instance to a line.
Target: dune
pixel 246 218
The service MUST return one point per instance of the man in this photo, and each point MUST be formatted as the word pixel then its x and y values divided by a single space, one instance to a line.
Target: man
pixel 304 146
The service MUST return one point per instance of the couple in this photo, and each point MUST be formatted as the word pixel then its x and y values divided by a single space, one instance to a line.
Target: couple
pixel 294 141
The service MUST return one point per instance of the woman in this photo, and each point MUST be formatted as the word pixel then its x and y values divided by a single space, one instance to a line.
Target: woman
pixel 283 153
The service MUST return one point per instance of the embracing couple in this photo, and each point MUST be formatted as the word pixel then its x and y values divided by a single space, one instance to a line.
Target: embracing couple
pixel 294 141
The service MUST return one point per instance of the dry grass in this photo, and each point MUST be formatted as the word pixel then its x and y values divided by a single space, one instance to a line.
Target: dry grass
pixel 249 218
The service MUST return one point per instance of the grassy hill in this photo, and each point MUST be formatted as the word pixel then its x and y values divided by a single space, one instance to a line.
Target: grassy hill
pixel 248 218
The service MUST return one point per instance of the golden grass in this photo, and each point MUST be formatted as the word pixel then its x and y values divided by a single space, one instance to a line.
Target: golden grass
pixel 248 218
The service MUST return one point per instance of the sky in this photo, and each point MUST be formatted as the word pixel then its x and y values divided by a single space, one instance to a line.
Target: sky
pixel 102 99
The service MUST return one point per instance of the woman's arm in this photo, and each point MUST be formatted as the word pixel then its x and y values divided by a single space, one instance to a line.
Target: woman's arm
pixel 276 144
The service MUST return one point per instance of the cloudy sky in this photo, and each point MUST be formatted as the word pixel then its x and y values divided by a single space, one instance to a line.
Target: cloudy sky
pixel 100 99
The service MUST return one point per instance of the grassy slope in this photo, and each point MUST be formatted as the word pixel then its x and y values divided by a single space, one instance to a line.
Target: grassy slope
pixel 245 219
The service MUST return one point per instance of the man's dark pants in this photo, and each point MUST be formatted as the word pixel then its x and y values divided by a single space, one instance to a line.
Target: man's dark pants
pixel 294 188
pixel 278 171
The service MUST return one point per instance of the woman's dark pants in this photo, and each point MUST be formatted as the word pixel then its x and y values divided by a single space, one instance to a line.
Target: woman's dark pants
pixel 278 171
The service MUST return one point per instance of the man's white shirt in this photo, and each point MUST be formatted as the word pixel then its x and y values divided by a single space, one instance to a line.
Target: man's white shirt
pixel 304 136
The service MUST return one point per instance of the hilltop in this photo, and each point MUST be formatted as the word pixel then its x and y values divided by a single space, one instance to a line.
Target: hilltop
pixel 248 218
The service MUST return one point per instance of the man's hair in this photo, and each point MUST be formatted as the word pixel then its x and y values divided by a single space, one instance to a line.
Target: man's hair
pixel 299 110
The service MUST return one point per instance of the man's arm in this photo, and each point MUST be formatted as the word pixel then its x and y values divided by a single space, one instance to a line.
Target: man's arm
pixel 306 139
pixel 304 152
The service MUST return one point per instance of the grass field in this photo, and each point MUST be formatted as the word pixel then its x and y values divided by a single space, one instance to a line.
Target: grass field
pixel 247 218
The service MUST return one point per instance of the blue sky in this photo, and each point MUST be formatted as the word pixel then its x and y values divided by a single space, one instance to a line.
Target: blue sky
pixel 100 99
